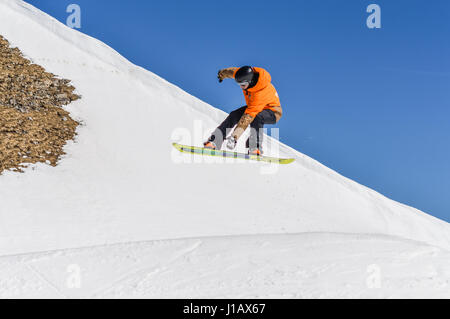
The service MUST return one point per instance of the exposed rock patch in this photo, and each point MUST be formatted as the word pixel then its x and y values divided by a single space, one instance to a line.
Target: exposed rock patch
pixel 33 126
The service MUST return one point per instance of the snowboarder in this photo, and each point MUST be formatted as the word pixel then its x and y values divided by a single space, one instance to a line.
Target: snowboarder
pixel 263 107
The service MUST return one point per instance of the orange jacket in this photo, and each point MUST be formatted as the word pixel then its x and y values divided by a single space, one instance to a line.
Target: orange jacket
pixel 262 96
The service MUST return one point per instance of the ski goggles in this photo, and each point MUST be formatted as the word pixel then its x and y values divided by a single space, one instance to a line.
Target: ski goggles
pixel 243 83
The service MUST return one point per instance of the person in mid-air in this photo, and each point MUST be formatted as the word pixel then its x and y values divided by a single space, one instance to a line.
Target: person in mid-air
pixel 263 107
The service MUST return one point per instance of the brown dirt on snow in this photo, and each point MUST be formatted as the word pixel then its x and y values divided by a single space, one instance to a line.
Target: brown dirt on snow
pixel 33 126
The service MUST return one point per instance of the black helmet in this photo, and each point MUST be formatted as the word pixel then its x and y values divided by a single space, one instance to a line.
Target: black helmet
pixel 245 74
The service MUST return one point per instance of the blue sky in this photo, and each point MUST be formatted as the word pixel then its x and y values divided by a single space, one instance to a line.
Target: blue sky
pixel 372 104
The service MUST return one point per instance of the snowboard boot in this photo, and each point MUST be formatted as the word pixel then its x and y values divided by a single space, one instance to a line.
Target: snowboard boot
pixel 255 151
pixel 209 145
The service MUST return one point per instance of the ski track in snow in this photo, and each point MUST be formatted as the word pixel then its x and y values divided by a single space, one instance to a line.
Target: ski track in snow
pixel 308 265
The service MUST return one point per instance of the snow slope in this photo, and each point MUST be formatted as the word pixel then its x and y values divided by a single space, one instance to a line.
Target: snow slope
pixel 135 204
pixel 309 265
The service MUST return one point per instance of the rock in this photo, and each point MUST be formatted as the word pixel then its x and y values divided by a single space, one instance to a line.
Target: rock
pixel 32 121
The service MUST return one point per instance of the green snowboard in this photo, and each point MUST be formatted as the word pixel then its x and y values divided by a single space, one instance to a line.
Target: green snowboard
pixel 229 154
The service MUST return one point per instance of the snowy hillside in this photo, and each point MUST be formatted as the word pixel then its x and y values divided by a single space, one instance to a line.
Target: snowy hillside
pixel 123 205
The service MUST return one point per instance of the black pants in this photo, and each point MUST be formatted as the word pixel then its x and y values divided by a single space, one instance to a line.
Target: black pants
pixel 256 127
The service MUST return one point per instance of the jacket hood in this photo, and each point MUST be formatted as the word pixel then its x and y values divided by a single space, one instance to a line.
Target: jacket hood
pixel 263 81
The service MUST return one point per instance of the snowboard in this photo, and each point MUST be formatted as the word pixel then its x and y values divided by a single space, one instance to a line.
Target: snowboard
pixel 230 154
